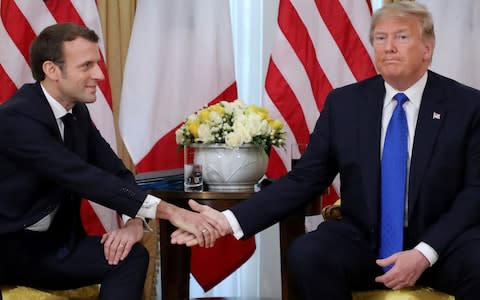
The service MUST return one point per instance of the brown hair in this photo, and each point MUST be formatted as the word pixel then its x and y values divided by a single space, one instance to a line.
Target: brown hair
pixel 406 9
pixel 48 46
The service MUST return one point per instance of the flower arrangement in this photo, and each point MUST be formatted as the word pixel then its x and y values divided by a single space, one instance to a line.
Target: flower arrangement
pixel 234 124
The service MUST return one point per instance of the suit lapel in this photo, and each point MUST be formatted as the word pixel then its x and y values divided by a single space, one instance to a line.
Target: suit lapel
pixel 369 146
pixel 38 109
pixel 430 119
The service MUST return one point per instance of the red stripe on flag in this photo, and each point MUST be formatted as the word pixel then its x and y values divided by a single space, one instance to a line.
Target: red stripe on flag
pixel 286 102
pixel 64 11
pixel 275 168
pixel 165 154
pixel 8 87
pixel 17 27
pixel 346 37
pixel 298 37
pixel 91 223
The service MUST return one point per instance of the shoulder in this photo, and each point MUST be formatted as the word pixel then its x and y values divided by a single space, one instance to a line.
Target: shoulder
pixel 357 92
pixel 23 96
pixel 449 83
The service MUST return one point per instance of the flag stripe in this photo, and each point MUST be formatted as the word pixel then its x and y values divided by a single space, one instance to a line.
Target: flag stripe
pixel 360 13
pixel 291 25
pixel 8 87
pixel 286 102
pixel 345 37
pixel 32 10
pixel 21 21
pixel 17 28
pixel 326 49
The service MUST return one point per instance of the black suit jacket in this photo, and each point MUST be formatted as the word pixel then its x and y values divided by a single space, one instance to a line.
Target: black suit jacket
pixel 444 182
pixel 38 172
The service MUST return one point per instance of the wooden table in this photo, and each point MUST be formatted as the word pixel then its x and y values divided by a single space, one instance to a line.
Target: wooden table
pixel 175 259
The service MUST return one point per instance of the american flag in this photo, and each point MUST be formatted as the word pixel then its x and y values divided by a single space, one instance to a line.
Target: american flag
pixel 319 45
pixel 21 22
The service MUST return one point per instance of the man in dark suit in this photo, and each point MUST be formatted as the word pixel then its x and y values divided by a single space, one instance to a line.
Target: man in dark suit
pixel 51 155
pixel 440 212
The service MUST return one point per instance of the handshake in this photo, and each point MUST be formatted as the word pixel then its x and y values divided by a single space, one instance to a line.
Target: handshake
pixel 202 226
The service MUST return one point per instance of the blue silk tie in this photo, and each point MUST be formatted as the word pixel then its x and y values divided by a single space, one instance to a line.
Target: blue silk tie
pixel 394 179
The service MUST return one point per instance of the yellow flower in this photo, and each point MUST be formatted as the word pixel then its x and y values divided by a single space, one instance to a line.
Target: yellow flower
pixel 192 126
pixel 261 111
pixel 276 124
pixel 204 115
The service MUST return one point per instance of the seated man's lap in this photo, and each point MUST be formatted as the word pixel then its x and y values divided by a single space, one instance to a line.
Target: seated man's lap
pixel 337 249
pixel 84 265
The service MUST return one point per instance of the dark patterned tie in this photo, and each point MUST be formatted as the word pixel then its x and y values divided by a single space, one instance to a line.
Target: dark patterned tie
pixel 69 131
pixel 66 220
pixel 394 179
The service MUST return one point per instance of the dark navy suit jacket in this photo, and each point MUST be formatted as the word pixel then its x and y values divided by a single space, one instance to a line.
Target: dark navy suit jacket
pixel 444 182
pixel 38 172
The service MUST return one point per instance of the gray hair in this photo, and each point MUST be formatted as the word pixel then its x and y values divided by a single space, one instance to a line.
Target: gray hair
pixel 406 9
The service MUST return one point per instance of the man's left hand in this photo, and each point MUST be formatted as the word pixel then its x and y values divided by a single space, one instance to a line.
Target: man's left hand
pixel 118 243
pixel 408 266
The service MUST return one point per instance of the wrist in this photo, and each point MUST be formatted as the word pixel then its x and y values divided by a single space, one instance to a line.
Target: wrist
pixel 134 221
pixel 165 210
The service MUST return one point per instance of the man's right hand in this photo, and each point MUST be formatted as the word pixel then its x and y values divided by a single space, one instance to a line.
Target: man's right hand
pixel 203 228
pixel 183 237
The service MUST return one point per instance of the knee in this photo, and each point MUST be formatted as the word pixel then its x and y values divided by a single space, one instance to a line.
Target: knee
pixel 138 256
pixel 304 257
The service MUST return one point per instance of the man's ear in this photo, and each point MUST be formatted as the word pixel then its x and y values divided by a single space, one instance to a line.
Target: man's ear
pixel 51 70
pixel 429 46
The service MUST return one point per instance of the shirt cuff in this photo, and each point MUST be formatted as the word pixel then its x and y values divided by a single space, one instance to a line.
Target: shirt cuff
pixel 232 220
pixel 146 227
pixel 149 207
pixel 428 252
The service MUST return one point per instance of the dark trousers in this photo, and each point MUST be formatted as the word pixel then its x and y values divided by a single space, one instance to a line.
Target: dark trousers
pixel 334 260
pixel 33 259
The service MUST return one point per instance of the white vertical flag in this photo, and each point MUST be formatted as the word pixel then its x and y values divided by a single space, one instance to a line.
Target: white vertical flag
pixel 180 58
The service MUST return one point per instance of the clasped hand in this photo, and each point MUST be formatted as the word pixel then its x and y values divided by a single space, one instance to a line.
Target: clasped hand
pixel 217 227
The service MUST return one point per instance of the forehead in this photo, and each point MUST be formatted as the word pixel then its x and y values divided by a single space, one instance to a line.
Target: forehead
pixel 389 24
pixel 80 49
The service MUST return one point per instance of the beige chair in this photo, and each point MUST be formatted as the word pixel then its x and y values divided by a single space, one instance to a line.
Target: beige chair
pixel 333 212
pixel 23 293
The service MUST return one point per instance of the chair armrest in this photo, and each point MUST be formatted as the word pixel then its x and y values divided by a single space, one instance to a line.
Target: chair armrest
pixel 332 211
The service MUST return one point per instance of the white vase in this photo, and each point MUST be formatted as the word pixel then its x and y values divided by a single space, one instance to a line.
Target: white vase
pixel 227 169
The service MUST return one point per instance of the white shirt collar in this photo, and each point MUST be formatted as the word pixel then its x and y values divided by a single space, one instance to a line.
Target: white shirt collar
pixel 58 109
pixel 414 93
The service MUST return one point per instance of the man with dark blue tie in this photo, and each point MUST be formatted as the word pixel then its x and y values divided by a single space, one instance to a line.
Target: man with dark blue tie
pixel 51 155
pixel 407 146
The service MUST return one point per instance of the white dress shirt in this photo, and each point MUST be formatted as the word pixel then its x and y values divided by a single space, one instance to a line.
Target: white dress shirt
pixel 411 107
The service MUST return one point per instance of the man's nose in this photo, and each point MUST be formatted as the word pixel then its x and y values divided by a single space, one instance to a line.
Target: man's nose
pixel 97 73
pixel 389 45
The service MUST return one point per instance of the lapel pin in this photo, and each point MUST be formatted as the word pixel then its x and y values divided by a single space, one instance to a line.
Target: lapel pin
pixel 436 116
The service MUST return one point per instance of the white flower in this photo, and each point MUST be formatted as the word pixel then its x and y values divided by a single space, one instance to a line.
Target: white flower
pixel 233 123
pixel 205 134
